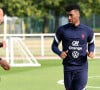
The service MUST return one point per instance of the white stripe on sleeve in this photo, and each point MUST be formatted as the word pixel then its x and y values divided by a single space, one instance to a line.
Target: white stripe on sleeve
pixel 92 40
pixel 56 39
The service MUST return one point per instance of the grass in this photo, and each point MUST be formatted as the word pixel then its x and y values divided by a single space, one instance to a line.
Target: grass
pixel 44 77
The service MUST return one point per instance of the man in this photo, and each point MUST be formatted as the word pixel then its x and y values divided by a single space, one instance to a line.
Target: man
pixel 77 44
pixel 3 63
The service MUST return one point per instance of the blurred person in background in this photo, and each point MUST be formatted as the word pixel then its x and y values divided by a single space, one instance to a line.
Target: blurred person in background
pixel 77 44
pixel 3 63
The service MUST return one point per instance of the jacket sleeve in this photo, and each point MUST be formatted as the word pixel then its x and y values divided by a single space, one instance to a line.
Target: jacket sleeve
pixel 91 45
pixel 56 41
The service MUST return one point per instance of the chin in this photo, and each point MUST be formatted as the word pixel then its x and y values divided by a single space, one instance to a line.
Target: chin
pixel 71 23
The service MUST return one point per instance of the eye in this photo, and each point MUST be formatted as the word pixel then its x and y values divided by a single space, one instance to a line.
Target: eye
pixel 69 15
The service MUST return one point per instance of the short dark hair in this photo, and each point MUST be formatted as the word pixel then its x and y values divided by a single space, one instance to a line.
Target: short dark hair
pixel 72 7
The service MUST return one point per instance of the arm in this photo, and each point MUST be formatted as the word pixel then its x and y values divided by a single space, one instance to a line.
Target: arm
pixel 55 49
pixel 55 45
pixel 91 45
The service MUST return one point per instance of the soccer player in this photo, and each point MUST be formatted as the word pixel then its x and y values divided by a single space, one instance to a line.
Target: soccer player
pixel 5 65
pixel 77 44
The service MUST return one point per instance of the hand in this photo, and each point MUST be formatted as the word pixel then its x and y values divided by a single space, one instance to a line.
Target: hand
pixel 4 64
pixel 90 54
pixel 63 54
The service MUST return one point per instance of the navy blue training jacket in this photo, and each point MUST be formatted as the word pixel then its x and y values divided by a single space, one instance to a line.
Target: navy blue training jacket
pixel 77 40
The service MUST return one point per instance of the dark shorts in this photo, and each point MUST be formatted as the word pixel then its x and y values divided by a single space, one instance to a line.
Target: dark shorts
pixel 75 80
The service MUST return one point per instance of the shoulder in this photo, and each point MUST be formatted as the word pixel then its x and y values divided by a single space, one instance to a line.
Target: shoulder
pixel 85 27
pixel 88 30
pixel 63 27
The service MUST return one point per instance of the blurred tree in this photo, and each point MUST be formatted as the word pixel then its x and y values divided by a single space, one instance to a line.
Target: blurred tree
pixel 90 7
pixel 18 8
pixel 46 6
pixel 42 8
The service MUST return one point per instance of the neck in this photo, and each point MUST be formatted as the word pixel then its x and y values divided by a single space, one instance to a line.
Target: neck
pixel 76 24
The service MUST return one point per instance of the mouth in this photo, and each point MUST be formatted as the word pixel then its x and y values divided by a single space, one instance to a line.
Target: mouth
pixel 70 21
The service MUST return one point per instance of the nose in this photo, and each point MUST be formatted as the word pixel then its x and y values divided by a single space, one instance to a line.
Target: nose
pixel 69 17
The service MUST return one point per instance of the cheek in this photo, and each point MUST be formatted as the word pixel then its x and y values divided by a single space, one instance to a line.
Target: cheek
pixel 75 18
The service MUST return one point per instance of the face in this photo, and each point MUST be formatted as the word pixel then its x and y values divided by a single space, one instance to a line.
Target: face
pixel 73 17
pixel 1 15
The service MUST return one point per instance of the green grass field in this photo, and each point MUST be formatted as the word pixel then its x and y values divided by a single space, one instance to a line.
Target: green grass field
pixel 44 77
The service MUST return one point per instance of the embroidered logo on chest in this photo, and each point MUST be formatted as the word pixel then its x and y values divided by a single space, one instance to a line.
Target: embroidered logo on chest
pixel 82 36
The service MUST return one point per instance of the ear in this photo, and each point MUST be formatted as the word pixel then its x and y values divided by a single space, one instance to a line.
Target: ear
pixel 78 13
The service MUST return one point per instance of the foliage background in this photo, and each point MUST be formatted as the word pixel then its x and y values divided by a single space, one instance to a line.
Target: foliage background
pixel 44 11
